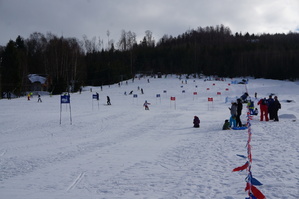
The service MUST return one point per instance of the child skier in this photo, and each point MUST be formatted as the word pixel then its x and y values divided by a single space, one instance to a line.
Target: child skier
pixel 146 105
pixel 250 105
pixel 39 98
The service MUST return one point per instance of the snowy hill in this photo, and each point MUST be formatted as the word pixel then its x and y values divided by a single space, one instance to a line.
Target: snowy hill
pixel 124 151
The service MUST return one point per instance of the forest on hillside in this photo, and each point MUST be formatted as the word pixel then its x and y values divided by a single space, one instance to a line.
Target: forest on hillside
pixel 208 50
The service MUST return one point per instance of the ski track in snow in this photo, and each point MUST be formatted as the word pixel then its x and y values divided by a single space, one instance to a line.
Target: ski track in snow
pixel 77 180
pixel 122 151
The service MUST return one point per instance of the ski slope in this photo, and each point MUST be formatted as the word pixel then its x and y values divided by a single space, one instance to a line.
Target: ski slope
pixel 124 151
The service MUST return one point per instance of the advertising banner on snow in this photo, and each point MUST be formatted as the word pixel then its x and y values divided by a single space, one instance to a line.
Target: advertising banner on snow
pixel 65 99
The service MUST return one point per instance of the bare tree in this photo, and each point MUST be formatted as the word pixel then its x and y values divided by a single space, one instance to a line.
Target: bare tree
pixel 131 40
pixel 90 45
pixel 127 40
pixel 122 43
pixel 100 43
pixel 149 38
pixel 108 34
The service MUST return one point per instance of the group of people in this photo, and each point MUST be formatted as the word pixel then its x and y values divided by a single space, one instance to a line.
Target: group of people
pixel 269 107
pixel 235 112
pixel 29 95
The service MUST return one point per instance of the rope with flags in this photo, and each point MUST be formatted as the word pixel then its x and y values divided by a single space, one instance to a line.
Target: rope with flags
pixel 251 182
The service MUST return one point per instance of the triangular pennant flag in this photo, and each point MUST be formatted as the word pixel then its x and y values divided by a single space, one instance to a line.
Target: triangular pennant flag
pixel 256 182
pixel 257 193
pixel 252 180
pixel 242 156
pixel 241 167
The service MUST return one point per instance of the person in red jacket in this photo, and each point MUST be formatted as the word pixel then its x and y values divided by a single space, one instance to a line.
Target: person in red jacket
pixel 264 109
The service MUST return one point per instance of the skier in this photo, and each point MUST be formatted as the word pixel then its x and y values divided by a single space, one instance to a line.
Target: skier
pixel 39 98
pixel 250 105
pixel 146 105
pixel 108 100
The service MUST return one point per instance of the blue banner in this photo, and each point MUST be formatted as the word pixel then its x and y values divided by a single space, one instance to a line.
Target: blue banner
pixel 95 96
pixel 135 96
pixel 65 99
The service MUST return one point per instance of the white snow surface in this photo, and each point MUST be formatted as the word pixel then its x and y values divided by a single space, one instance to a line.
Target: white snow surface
pixel 124 151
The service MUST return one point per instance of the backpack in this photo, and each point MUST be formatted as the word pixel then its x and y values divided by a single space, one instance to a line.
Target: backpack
pixel 264 102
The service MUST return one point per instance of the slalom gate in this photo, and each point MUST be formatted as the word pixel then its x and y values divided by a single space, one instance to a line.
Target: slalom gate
pixel 65 99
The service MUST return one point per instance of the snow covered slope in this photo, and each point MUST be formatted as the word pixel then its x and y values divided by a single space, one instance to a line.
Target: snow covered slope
pixel 124 151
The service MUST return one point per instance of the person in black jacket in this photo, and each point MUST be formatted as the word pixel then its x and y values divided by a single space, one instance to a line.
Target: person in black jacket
pixel 196 122
pixel 276 106
pixel 108 100
pixel 271 110
pixel 239 112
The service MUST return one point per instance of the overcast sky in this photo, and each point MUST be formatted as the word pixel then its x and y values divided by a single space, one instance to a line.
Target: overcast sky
pixel 75 18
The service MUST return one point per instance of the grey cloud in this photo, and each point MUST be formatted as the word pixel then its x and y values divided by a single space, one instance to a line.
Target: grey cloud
pixel 173 17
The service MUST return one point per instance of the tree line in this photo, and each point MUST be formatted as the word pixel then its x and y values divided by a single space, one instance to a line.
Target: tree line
pixel 206 50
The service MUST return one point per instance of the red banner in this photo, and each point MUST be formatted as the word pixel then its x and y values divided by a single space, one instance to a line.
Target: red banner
pixel 172 98
pixel 210 99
